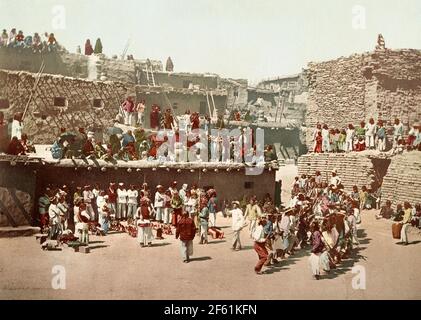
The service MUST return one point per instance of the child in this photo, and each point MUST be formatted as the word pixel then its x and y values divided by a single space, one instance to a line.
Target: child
pixel 360 144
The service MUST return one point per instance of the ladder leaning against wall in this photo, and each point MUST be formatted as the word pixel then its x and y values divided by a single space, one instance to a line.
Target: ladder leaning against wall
pixel 150 78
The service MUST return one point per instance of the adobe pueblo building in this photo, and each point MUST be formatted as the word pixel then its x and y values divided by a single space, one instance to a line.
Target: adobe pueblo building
pixel 79 91
pixel 384 84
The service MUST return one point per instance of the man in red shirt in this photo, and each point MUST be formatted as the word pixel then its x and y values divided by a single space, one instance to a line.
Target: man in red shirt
pixel 186 230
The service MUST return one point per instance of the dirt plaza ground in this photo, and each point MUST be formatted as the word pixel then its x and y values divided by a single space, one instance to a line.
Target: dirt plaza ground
pixel 117 268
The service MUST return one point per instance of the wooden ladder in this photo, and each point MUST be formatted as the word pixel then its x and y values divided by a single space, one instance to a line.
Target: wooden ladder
pixel 150 77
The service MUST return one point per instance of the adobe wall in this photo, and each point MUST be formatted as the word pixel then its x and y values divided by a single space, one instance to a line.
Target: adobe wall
pixel 402 181
pixel 177 80
pixel 17 194
pixel 44 120
pixel 66 64
pixel 73 64
pixel 382 84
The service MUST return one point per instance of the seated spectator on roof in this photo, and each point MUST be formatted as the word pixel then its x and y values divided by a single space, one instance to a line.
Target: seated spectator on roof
pixel 28 41
pixel 115 143
pixel 12 37
pixel 27 145
pixel 270 154
pixel 15 147
pixel 57 149
pixel 19 39
pixel 128 138
pixel 52 42
pixel 99 150
pixel 36 43
pixel 88 149
pixel 4 38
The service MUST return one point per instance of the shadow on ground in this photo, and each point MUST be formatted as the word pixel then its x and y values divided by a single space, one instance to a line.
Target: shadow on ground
pixel 98 246
pixel 200 259
pixel 355 256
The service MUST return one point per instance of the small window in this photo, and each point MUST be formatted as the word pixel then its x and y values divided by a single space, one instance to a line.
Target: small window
pixel 175 105
pixel 248 185
pixel 98 103
pixel 60 102
pixel 36 114
pixel 186 84
pixel 4 103
pixel 235 93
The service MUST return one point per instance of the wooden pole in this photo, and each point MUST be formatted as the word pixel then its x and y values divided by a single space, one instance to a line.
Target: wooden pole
pixel 38 76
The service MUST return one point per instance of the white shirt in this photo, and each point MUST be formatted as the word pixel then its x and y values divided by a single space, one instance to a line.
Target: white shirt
pixel 370 129
pixel 293 202
pixel 237 219
pixel 63 207
pixel 132 196
pixel 54 213
pixel 95 192
pixel 159 200
pixel 75 214
pixel 285 222
pixel 16 129
pixel 99 201
pixel 335 180
pixel 349 134
pixel 258 234
pixel 121 195
pixel 88 196
pixel 192 204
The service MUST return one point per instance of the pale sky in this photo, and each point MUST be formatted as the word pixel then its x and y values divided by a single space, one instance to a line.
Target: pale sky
pixel 251 39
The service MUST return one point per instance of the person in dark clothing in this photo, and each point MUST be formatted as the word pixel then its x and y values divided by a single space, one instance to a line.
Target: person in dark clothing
pixel 186 230
pixel 15 147
pixel 88 48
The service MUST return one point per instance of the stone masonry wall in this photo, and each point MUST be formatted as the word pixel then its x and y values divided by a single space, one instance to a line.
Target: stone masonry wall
pixel 402 181
pixel 353 168
pixel 382 84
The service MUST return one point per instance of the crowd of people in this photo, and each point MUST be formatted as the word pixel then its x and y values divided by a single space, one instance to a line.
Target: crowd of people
pixel 321 217
pixel 135 143
pixel 99 209
pixel 276 231
pixel 140 145
pixel 371 135
pixel 36 42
